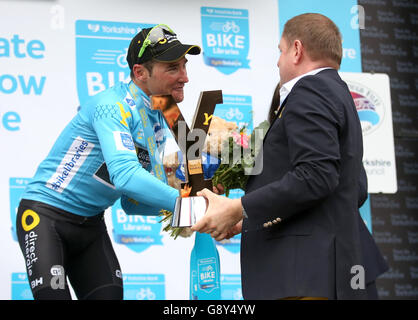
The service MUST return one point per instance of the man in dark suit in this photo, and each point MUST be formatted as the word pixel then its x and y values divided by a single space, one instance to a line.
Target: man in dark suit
pixel 302 235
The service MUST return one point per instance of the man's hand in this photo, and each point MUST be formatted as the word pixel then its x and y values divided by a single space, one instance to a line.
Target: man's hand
pixel 237 229
pixel 221 216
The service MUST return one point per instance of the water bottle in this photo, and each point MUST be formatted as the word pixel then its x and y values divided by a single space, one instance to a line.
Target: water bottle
pixel 205 271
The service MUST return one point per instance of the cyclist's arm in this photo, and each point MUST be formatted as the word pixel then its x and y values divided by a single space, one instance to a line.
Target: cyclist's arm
pixel 131 206
pixel 126 173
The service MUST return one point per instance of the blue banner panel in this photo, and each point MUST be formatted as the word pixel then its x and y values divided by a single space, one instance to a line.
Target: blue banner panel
pixel 345 16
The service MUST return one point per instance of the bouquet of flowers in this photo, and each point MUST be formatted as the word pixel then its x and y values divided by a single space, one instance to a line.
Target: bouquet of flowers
pixel 238 154
pixel 183 232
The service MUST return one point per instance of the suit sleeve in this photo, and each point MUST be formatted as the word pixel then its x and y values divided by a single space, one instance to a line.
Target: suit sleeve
pixel 362 190
pixel 311 124
pixel 111 123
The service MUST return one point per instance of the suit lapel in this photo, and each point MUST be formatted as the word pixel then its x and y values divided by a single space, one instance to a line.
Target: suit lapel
pixel 278 115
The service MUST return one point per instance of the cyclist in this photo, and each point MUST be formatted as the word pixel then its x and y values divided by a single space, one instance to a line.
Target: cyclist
pixel 107 151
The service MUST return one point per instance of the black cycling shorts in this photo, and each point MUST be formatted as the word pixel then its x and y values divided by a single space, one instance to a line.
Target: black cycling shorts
pixel 58 245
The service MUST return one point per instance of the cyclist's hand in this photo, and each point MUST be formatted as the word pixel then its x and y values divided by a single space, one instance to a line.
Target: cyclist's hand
pixel 219 189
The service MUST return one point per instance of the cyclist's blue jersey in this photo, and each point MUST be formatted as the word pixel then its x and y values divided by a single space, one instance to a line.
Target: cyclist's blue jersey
pixel 94 161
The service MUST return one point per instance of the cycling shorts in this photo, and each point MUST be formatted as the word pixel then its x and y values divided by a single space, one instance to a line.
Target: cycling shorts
pixel 58 246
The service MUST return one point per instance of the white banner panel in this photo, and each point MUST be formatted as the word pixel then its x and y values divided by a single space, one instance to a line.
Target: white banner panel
pixel 53 54
pixel 371 94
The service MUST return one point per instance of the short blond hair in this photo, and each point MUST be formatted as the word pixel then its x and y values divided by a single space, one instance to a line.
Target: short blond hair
pixel 319 35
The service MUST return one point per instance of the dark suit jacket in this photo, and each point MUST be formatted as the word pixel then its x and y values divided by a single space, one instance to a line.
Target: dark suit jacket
pixel 304 233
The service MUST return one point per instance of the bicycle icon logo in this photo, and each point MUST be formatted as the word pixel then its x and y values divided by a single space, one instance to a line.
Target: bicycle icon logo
pixel 234 113
pixel 121 59
pixel 230 25
pixel 145 294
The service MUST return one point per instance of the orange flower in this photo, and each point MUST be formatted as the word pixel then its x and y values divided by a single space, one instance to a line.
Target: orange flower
pixel 185 191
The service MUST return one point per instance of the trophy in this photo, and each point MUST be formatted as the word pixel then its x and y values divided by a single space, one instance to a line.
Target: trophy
pixel 186 137
pixel 188 210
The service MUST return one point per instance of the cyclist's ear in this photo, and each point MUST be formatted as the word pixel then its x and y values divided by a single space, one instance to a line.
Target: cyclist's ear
pixel 140 72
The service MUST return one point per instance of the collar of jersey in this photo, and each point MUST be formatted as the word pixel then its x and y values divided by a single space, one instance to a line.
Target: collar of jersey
pixel 138 95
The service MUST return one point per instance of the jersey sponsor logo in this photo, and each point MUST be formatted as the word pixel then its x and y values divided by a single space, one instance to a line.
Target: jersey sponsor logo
pixel 37 282
pixel 143 157
pixel 70 164
pixel 127 141
pixel 34 221
pixel 29 251
pixel 125 115
pixel 130 102
pixel 123 141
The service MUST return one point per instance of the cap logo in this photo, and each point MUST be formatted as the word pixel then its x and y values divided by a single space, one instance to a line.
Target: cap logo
pixel 170 37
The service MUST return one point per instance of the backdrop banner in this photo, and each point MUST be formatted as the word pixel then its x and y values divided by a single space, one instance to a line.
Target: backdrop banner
pixel 56 54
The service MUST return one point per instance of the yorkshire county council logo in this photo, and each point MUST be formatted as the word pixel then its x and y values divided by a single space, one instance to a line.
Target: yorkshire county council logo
pixel 137 232
pixel 370 108
pixel 225 38
pixel 101 48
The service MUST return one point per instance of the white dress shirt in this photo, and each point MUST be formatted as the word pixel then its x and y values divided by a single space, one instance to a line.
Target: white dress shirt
pixel 288 86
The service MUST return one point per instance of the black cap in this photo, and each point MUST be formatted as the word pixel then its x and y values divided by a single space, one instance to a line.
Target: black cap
pixel 170 51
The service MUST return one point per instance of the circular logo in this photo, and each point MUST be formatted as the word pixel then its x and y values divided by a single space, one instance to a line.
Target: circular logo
pixel 369 107
pixel 34 220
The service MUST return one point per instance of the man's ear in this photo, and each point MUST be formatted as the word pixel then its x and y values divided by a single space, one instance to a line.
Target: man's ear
pixel 140 72
pixel 299 51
